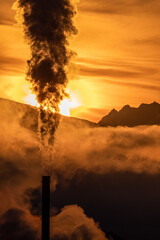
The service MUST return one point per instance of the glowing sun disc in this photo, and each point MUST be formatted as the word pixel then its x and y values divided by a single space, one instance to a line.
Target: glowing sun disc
pixel 64 107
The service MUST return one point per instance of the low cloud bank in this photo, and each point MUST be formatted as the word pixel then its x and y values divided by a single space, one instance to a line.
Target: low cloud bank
pixel 103 150
pixel 72 224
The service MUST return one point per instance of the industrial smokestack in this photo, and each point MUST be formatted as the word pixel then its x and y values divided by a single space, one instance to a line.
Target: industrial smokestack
pixel 45 207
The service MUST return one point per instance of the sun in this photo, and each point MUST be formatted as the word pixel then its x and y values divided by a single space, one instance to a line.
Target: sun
pixel 31 100
pixel 65 105
pixel 64 108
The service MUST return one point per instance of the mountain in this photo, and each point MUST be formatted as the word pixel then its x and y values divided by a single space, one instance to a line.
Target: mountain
pixel 27 116
pixel 145 114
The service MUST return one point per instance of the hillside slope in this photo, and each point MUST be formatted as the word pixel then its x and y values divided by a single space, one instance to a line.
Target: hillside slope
pixel 27 116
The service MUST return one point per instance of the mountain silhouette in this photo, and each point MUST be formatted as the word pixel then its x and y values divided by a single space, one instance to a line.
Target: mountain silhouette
pixel 145 114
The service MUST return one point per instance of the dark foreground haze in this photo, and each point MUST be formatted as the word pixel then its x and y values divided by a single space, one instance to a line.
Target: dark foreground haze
pixel 105 181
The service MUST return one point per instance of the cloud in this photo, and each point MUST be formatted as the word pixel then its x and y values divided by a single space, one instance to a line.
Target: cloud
pixel 108 72
pixel 120 7
pixel 152 41
pixel 119 73
pixel 15 225
pixel 6 13
pixel 104 150
pixel 7 22
pixel 11 65
pixel 72 224
pixel 116 64
pixel 19 155
pixel 95 149
pixel 96 6
pixel 130 84
pixel 32 199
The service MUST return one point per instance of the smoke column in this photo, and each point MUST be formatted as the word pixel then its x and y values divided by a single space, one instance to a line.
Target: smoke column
pixel 48 26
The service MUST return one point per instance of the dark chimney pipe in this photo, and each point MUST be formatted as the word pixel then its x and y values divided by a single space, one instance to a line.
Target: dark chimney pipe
pixel 45 207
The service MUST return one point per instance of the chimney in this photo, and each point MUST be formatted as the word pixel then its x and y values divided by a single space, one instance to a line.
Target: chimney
pixel 45 207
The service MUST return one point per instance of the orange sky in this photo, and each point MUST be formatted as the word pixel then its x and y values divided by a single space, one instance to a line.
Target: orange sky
pixel 118 55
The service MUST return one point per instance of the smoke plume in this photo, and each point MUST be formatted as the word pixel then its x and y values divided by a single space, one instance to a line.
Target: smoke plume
pixel 48 27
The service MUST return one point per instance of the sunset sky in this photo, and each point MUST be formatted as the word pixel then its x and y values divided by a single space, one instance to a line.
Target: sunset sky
pixel 118 56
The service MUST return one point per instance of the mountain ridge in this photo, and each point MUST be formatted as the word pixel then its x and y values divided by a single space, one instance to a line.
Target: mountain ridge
pixel 145 114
